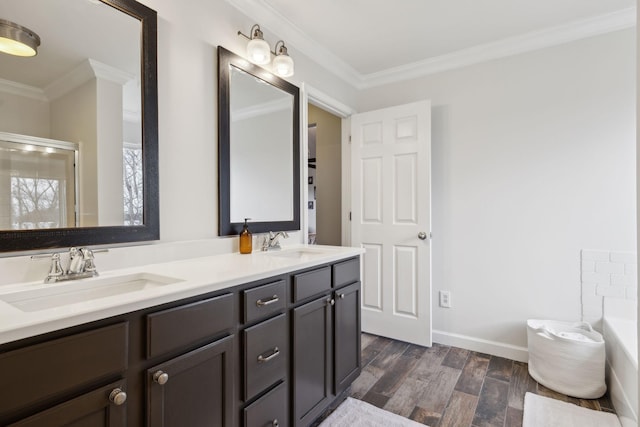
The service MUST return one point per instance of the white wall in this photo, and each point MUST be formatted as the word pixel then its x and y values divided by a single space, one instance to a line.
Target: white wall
pixel 533 160
pixel 188 33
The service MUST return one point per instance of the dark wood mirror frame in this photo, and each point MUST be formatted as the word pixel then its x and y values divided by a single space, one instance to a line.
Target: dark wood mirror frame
pixel 227 59
pixel 24 240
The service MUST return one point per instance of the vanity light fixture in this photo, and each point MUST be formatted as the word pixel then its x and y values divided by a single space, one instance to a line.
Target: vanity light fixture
pixel 258 50
pixel 282 63
pixel 18 40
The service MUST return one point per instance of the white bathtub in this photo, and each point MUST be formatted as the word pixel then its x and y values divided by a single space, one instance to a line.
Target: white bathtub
pixel 621 337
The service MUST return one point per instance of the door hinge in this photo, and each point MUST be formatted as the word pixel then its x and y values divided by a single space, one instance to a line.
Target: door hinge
pixel 349 215
pixel 349 139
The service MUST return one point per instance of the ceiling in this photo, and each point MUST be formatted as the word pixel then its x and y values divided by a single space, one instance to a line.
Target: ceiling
pixel 370 42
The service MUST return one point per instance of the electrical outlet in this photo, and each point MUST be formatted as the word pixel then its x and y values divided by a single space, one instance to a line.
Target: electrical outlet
pixel 445 299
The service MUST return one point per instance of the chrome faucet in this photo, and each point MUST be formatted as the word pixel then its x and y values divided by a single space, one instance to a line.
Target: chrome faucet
pixel 271 241
pixel 81 266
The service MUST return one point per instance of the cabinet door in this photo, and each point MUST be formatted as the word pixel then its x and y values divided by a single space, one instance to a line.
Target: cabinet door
pixel 93 409
pixel 346 336
pixel 195 389
pixel 312 359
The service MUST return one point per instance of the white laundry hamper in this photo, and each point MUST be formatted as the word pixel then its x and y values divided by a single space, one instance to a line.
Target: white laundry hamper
pixel 567 357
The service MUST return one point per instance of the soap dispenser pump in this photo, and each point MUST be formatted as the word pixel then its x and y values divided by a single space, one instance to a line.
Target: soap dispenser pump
pixel 245 238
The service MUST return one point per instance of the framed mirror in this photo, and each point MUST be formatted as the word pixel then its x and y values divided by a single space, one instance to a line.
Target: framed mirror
pixel 258 148
pixel 92 90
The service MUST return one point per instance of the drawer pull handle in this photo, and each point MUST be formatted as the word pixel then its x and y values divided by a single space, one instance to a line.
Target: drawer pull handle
pixel 117 396
pixel 275 423
pixel 274 353
pixel 161 377
pixel 271 300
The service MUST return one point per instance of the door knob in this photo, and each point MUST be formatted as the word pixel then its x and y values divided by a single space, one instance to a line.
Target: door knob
pixel 422 235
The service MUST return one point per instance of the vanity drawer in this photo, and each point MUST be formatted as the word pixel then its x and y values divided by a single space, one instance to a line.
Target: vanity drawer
pixel 264 300
pixel 269 410
pixel 34 374
pixel 265 355
pixel 182 326
pixel 311 283
pixel 346 272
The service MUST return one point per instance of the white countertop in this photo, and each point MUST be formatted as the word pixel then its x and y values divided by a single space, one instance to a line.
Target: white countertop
pixel 196 276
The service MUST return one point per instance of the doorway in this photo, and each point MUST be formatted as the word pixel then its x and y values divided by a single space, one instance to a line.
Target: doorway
pixel 324 177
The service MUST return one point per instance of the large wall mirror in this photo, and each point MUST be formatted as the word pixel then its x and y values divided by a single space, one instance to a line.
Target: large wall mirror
pixel 79 126
pixel 259 148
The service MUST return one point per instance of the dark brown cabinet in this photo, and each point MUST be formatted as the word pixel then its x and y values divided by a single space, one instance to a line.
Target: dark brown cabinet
pixel 312 359
pixel 104 407
pixel 194 389
pixel 275 352
pixel 346 336
pixel 326 339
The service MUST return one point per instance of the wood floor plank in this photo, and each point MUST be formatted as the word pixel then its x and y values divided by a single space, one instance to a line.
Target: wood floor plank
pixel 514 417
pixel 375 399
pixel 433 386
pixel 429 363
pixel 366 339
pixel 500 368
pixel 456 358
pixel 492 404
pixel 363 383
pixel 422 416
pixel 473 374
pixel 460 411
pixel 395 374
pixel 520 383
pixel 388 355
pixel 373 349
pixel 547 392
pixel 405 399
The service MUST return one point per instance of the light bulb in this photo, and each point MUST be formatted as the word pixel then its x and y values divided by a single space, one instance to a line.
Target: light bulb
pixel 283 65
pixel 258 51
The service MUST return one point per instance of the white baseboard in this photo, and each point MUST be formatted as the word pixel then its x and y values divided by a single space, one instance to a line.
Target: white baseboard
pixel 521 354
pixel 620 400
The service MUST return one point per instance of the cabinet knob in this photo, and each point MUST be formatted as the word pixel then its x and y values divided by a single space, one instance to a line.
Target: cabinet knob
pixel 161 377
pixel 341 296
pixel 331 301
pixel 117 396
pixel 275 423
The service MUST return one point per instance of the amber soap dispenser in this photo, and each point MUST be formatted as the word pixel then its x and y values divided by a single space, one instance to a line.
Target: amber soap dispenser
pixel 245 238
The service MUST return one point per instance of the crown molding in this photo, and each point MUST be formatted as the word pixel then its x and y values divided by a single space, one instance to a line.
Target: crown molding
pixel 269 18
pixel 15 88
pixel 535 40
pixel 84 72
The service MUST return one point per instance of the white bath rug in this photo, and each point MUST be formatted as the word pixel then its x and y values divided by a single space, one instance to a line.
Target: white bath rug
pixel 356 413
pixel 540 411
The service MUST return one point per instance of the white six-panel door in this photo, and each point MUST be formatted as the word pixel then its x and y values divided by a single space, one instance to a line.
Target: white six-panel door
pixel 391 219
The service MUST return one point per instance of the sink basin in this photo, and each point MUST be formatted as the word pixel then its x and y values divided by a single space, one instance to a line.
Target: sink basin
pixel 65 293
pixel 296 253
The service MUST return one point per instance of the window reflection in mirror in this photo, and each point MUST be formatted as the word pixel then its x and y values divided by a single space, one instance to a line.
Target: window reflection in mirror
pixel 37 184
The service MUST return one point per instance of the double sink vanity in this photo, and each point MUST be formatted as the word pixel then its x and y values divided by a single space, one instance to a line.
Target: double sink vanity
pixel 266 339
pixel 271 338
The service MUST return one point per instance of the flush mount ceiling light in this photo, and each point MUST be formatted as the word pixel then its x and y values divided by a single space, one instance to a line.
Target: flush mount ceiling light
pixel 258 50
pixel 282 63
pixel 17 40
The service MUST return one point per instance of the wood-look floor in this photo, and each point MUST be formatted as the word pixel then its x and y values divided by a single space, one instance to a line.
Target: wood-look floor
pixel 444 386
